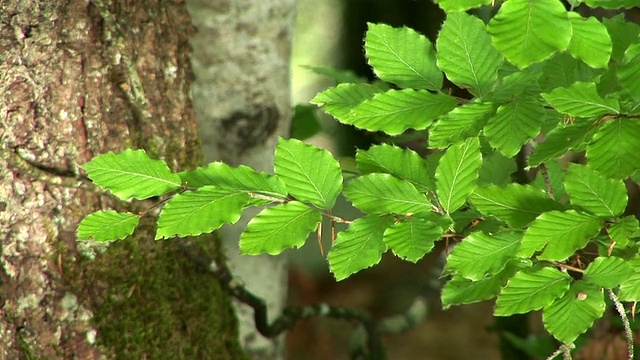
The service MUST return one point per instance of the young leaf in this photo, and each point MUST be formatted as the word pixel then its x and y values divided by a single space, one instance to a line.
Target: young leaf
pixel 132 174
pixel 412 238
pixel 575 312
pixel 402 56
pixel 607 272
pixel 590 41
pixel 360 247
pixel 630 288
pixel 530 31
pixel 460 290
pixel 450 6
pixel 395 111
pixel 466 55
pixel 278 228
pixel 402 163
pixel 531 290
pixel 309 173
pixel 615 149
pixel 338 101
pixel 582 100
pixel 457 173
pixel 480 254
pixel 562 232
pixel 514 124
pixel 107 226
pixel 628 72
pixel 383 193
pixel 516 204
pixel 560 140
pixel 623 229
pixel 201 211
pixel 593 193
pixel 460 123
pixel 241 178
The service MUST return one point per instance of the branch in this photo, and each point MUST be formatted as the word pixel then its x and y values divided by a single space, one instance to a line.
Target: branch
pixel 625 321
pixel 291 314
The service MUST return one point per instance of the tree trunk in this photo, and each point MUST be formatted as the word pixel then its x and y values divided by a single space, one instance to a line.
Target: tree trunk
pixel 79 79
pixel 242 100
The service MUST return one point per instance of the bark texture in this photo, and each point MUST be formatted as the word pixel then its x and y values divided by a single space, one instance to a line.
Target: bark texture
pixel 242 100
pixel 78 79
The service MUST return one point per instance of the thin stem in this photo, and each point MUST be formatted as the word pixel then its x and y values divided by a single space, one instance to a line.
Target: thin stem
pixel 547 182
pixel 625 321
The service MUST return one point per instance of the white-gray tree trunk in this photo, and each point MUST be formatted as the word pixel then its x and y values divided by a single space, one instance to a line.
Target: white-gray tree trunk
pixel 242 100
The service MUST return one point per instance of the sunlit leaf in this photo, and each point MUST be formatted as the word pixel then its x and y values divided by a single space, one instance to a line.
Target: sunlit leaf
pixel 402 163
pixel 581 99
pixel 338 101
pixel 615 149
pixel 107 226
pixel 402 56
pixel 607 272
pixel 621 230
pixel 560 140
pixel 309 173
pixel 531 290
pixel 594 193
pixel 457 173
pixel 513 125
pixel 630 288
pixel 590 41
pixel 278 228
pixel 412 238
pixel 629 71
pixel 460 123
pixel 562 232
pixel 530 31
pixel 460 5
pixel 132 174
pixel 466 55
pixel 382 193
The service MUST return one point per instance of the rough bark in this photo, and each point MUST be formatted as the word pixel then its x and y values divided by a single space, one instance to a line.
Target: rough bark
pixel 242 100
pixel 74 85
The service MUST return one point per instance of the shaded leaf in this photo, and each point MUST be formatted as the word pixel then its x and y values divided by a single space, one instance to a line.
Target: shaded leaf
pixel 560 140
pixel 460 123
pixel 615 149
pixel 412 238
pixel 360 247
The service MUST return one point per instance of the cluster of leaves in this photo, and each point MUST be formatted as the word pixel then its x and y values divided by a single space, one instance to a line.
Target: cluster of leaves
pixel 537 75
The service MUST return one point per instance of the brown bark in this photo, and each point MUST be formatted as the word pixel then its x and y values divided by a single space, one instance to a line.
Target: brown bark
pixel 79 79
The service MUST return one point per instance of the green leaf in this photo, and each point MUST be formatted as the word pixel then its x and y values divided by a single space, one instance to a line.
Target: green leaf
pixel 278 228
pixel 460 290
pixel 612 4
pixel 360 247
pixel 530 31
pixel 460 5
pixel 466 55
pixel 201 211
pixel 383 193
pixel 309 173
pixel 496 170
pixel 562 232
pixel 304 123
pixel 607 272
pixel 575 312
pixel 457 173
pixel 480 254
pixel 582 100
pixel 516 204
pixel 107 226
pixel 531 290
pixel 594 193
pixel 460 123
pixel 556 180
pixel 629 71
pixel 564 70
pixel 402 56
pixel 337 75
pixel 615 149
pixel 514 124
pixel 623 229
pixel 241 178
pixel 590 41
pixel 623 33
pixel 561 140
pixel 132 174
pixel 519 84
pixel 412 238
pixel 338 101
pixel 402 163
pixel 630 288
pixel 398 110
